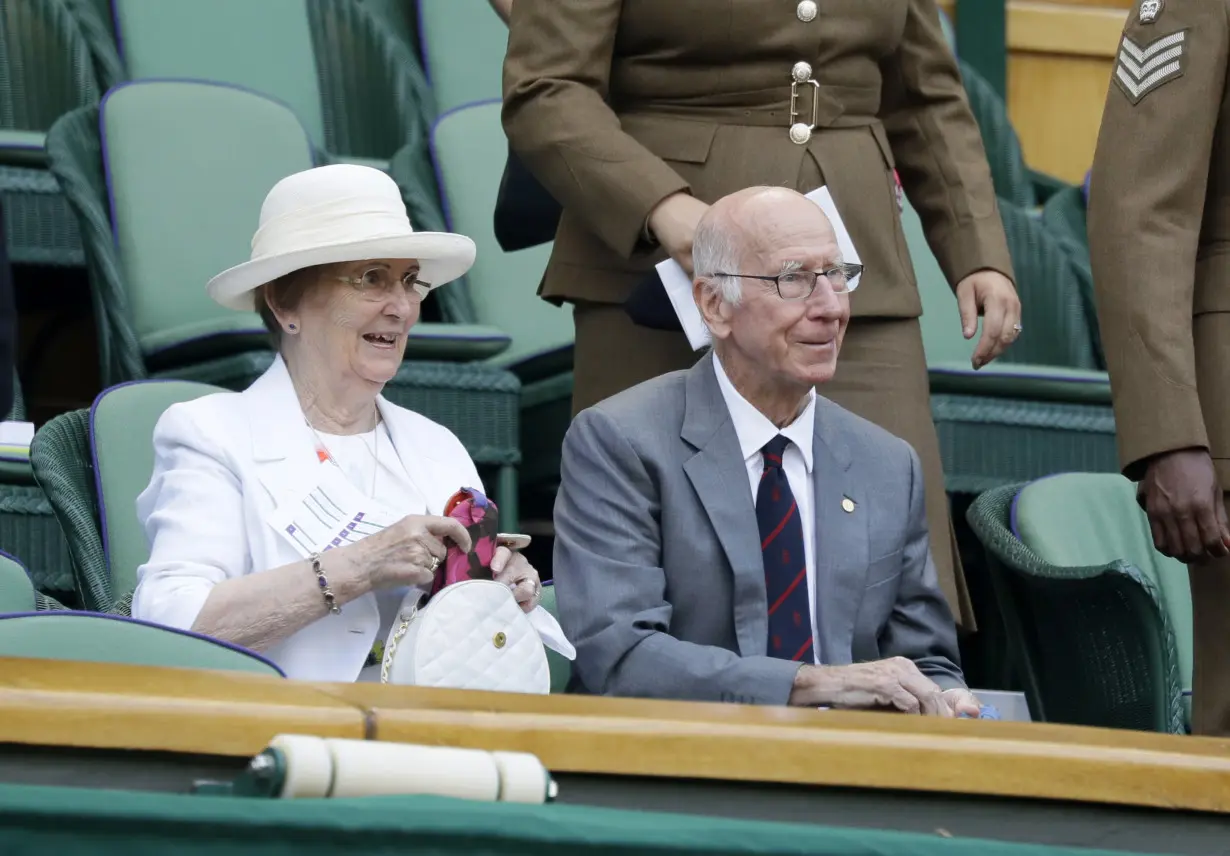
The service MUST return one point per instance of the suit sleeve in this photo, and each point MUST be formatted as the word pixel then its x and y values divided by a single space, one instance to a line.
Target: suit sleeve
pixel 1147 196
pixel 611 589
pixel 920 627
pixel 938 150
pixel 192 512
pixel 556 78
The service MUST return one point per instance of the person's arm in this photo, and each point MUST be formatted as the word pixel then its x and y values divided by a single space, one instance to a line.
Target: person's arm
pixel 1146 204
pixel 611 588
pixel 921 628
pixel 199 574
pixel 938 150
pixel 503 8
pixel 556 80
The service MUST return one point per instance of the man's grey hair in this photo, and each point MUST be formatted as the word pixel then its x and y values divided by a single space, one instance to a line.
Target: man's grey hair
pixel 715 251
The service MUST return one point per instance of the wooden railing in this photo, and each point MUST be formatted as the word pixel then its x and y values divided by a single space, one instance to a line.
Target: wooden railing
pixel 56 703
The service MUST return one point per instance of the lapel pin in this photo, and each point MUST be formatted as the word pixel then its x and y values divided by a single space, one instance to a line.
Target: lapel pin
pixel 847 505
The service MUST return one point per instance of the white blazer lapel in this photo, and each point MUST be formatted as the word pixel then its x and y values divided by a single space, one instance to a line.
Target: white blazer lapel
pixel 283 448
pixel 435 478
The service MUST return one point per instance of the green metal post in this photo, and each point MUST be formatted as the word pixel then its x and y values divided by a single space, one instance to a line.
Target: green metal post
pixel 982 42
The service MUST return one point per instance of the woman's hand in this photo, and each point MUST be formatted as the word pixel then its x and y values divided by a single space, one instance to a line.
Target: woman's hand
pixel 518 574
pixel 673 222
pixel 409 551
pixel 990 294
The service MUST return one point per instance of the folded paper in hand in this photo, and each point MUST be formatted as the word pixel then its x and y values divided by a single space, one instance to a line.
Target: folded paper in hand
pixel 679 286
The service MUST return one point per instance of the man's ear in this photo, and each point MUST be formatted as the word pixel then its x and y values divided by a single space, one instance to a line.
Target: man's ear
pixel 713 308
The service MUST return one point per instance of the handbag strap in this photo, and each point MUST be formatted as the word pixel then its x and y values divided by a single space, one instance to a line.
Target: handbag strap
pixel 387 662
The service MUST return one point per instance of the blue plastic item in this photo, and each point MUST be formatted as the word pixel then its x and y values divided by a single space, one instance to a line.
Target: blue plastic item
pixel 985 712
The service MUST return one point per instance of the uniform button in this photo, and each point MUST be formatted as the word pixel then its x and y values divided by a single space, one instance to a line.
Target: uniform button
pixel 801 72
pixel 800 133
pixel 806 11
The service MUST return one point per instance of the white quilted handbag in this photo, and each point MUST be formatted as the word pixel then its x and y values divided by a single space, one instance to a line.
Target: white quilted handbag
pixel 471 635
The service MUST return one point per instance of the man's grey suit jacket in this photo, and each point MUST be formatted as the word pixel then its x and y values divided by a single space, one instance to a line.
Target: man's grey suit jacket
pixel 658 570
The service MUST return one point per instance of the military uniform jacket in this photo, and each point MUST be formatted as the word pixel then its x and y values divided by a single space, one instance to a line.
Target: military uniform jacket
pixel 1159 232
pixel 616 104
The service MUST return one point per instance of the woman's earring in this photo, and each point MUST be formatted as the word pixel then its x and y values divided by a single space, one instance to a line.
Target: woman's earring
pixel 292 328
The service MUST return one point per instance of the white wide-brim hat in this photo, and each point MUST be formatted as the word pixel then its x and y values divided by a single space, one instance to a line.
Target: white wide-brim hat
pixel 337 213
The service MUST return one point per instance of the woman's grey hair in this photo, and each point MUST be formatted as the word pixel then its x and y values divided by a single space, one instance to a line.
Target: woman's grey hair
pixel 715 251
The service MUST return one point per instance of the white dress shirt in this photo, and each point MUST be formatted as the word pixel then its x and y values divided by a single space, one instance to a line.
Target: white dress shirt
pixel 754 430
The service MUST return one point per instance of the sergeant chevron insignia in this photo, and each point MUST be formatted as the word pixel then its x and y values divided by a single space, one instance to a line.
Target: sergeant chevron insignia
pixel 1143 68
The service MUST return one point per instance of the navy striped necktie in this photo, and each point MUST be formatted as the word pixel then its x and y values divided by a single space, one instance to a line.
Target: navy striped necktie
pixel 785 561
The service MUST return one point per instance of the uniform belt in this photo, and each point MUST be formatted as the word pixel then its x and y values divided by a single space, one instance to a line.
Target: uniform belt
pixel 808 104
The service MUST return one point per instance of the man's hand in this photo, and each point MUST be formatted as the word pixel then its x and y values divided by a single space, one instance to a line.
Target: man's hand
pixel 893 684
pixel 1186 510
pixel 962 701
pixel 673 222
pixel 990 294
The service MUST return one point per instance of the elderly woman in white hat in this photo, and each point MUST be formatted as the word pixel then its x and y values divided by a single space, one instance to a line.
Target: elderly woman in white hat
pixel 295 517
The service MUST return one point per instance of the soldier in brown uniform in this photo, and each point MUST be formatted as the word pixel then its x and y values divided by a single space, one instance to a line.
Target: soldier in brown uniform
pixel 635 114
pixel 1159 233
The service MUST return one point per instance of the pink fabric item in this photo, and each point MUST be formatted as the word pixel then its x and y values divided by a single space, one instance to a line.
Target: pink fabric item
pixel 481 519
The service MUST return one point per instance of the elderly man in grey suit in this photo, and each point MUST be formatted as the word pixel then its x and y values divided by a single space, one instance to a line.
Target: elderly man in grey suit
pixel 725 533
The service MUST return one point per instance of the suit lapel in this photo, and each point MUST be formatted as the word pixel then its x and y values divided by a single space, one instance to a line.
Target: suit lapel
pixel 719 477
pixel 429 474
pixel 841 539
pixel 283 447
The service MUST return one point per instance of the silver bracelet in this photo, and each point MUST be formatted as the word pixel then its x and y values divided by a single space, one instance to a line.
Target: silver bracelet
pixel 322 580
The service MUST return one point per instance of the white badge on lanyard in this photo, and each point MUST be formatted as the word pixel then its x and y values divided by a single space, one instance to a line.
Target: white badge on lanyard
pixel 332 514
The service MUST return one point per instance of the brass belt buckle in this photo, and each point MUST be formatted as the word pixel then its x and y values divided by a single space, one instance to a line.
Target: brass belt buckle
pixel 800 132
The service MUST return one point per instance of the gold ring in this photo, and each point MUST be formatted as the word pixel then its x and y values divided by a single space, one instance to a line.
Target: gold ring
pixel 435 562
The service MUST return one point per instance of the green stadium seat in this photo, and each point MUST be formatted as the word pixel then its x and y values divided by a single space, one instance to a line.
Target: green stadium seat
pixel 561 668
pixel 1014 421
pixel 354 84
pixel 93 638
pixel 46 69
pixel 16 588
pixel 28 525
pixel 93 465
pixel 462 44
pixel 469 149
pixel 1099 624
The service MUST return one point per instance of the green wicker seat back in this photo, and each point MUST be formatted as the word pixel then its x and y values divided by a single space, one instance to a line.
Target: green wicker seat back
pixel 45 66
pixel 46 69
pixel 121 438
pixel 399 17
pixel 1090 519
pixel 60 456
pixel 264 46
pixel 93 638
pixel 189 165
pixel 561 669
pixel 463 44
pixel 469 148
pixel 16 589
pixel 1092 643
pixel 1064 218
pixel 1055 311
pixel 1011 177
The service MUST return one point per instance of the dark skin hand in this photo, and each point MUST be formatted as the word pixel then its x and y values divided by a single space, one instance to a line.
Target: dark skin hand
pixel 1187 513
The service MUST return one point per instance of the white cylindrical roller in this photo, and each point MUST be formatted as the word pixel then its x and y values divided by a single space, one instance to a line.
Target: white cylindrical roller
pixel 369 768
pixel 523 778
pixel 309 765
